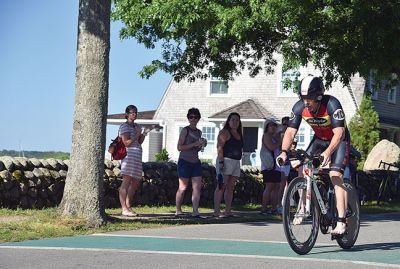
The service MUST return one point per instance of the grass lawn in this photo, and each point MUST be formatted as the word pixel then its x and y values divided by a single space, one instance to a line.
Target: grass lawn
pixel 19 225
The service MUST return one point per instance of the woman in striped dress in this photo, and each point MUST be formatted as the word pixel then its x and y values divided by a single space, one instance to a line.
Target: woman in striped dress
pixel 131 165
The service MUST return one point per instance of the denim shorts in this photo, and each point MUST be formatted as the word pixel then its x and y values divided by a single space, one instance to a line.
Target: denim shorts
pixel 188 170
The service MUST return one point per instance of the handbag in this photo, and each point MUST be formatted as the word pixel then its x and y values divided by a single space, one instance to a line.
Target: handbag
pixel 267 158
pixel 117 149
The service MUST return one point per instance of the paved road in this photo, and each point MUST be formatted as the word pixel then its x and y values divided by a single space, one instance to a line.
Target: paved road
pixel 234 245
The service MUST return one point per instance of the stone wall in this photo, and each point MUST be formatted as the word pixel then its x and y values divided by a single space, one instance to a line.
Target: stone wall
pixel 33 183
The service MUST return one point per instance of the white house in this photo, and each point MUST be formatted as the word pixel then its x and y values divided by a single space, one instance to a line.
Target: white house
pixel 255 99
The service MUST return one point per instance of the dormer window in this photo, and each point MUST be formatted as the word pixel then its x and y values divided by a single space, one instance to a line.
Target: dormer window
pixel 218 86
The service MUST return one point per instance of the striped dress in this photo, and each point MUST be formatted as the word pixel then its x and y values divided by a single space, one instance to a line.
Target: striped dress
pixel 131 165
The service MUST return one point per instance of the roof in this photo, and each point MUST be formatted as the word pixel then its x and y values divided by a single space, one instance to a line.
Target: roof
pixel 142 115
pixel 248 109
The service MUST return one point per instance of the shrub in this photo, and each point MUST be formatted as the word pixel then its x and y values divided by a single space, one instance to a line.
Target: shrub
pixel 162 156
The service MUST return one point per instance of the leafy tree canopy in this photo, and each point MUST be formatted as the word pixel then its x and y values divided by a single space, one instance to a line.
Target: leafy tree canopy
pixel 339 37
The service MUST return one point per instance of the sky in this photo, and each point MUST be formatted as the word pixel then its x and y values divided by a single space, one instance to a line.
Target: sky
pixel 37 74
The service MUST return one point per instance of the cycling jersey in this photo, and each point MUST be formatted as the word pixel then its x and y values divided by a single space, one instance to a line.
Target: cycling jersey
pixel 329 116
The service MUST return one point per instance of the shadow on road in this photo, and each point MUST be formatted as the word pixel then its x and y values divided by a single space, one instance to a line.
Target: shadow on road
pixel 356 248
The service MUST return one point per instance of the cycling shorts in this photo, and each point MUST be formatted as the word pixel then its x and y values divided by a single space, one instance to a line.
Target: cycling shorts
pixel 339 158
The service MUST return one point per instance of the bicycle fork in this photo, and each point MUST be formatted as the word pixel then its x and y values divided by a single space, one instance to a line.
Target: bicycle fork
pixel 303 208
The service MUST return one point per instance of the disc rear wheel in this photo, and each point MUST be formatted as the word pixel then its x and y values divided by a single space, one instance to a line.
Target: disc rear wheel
pixel 352 218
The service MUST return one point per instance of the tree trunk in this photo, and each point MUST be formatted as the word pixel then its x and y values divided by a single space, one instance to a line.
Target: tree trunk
pixel 83 193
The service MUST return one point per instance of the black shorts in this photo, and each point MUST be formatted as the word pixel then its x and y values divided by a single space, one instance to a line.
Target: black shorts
pixel 339 158
pixel 271 176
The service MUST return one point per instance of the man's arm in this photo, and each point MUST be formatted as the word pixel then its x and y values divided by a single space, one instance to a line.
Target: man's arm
pixel 288 138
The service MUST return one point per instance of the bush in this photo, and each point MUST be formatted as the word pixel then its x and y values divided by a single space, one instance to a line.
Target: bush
pixel 364 129
pixel 162 156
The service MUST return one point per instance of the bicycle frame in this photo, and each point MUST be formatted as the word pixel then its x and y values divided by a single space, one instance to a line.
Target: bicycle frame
pixel 308 172
pixel 384 187
pixel 309 208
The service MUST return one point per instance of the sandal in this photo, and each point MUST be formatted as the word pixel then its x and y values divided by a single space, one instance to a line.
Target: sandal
pixel 179 215
pixel 129 214
pixel 340 229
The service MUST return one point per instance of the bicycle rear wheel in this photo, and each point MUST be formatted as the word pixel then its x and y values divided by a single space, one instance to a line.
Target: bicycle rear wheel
pixel 352 218
pixel 300 236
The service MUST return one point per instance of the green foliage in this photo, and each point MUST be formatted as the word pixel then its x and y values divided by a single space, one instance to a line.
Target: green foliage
pixel 208 161
pixel 340 38
pixel 162 156
pixel 364 128
pixel 37 154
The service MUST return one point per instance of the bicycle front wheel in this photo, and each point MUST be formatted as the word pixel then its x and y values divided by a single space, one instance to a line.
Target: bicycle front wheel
pixel 301 227
pixel 352 217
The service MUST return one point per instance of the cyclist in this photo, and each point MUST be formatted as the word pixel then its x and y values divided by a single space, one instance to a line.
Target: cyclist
pixel 325 115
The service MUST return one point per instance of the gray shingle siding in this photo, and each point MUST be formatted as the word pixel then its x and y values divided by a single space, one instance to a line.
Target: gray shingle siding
pixel 264 89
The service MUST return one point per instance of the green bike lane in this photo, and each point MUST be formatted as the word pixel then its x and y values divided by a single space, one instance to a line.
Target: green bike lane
pixel 380 254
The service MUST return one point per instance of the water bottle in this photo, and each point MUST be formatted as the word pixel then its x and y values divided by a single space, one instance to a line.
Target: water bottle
pixel 220 178
pixel 203 143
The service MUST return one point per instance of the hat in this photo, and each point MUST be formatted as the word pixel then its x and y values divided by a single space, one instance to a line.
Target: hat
pixel 268 122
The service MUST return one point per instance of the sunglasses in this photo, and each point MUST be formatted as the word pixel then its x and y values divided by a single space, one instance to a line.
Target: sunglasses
pixel 193 118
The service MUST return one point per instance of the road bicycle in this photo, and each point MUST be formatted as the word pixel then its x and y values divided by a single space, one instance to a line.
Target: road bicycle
pixel 309 206
pixel 385 192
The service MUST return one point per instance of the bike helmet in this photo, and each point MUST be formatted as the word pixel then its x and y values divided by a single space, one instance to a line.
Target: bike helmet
pixel 312 87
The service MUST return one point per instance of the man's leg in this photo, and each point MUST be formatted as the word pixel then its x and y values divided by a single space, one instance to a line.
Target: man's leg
pixel 341 198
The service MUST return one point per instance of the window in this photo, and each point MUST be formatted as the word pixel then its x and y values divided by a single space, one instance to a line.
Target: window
pixel 218 86
pixel 372 85
pixel 288 83
pixel 304 135
pixel 208 133
pixel 301 138
pixel 392 95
